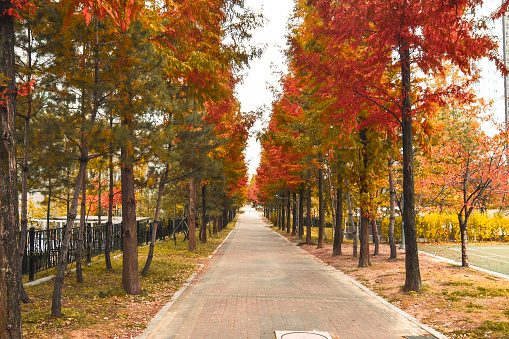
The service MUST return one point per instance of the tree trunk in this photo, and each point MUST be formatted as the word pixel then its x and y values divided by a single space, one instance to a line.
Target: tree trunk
pixel 203 228
pixel 278 222
pixel 351 221
pixel 10 312
pixel 332 202
pixel 56 304
pixel 392 206
pixel 214 225
pixel 109 225
pixel 374 232
pixel 301 214
pixel 225 219
pixel 24 195
pixel 283 215
pixel 48 213
pixel 364 260
pixel 464 236
pixel 308 216
pixel 99 192
pixel 288 209
pixel 150 256
pixel 338 227
pixel 412 271
pixel 130 274
pixel 321 212
pixel 295 218
pixel 192 215
pixel 79 250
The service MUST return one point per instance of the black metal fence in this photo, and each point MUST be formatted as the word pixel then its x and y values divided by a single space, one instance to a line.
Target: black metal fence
pixel 43 246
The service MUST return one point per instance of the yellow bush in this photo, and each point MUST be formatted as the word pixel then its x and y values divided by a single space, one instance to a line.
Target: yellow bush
pixel 397 228
pixel 435 226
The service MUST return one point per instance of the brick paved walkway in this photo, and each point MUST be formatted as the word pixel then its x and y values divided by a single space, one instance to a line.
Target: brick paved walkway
pixel 259 283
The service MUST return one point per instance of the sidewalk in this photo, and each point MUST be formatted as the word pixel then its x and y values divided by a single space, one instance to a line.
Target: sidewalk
pixel 259 283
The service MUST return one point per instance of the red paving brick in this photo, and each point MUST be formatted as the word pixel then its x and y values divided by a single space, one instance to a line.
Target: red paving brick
pixel 259 283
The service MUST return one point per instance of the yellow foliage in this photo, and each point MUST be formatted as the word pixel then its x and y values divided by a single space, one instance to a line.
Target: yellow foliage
pixel 443 226
pixel 397 228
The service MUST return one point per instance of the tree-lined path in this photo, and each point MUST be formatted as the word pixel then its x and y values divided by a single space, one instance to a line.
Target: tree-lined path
pixel 259 283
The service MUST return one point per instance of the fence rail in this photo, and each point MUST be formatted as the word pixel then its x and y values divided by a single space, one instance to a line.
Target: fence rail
pixel 43 246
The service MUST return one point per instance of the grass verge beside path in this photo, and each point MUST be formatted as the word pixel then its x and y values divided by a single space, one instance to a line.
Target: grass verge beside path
pixel 458 302
pixel 99 307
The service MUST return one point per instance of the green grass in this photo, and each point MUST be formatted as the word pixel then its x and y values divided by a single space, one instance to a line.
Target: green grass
pixel 493 256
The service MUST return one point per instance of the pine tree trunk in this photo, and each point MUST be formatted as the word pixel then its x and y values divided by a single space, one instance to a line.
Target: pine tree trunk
pixel 155 225
pixel 25 168
pixel 130 274
pixel 214 225
pixel 48 212
pixel 321 212
pixel 109 225
pixel 392 206
pixel 203 228
pixel 24 195
pixel 79 250
pixel 10 312
pixel 192 215
pixel 412 271
pixel 308 216
pixel 338 227
pixel 99 200
pixel 56 304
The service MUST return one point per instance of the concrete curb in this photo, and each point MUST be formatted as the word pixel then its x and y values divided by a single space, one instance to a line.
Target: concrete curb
pixel 38 281
pixel 153 323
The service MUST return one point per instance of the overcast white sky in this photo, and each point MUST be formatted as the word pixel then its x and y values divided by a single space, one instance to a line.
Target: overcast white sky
pixel 254 92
